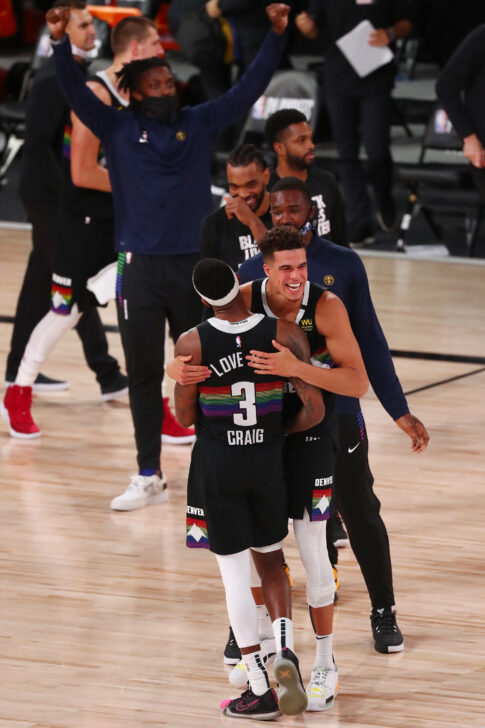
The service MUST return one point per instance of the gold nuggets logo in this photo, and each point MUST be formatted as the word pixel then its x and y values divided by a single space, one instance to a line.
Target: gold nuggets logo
pixel 306 324
pixel 180 135
pixel 329 280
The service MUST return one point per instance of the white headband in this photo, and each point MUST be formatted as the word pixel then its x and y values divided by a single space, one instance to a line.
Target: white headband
pixel 226 299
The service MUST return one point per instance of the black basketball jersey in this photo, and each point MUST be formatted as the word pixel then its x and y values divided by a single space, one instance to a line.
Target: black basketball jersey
pixel 237 406
pixel 306 321
pixel 84 201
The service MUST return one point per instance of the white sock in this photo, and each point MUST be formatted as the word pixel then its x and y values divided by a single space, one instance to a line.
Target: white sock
pixel 283 634
pixel 265 628
pixel 257 675
pixel 324 652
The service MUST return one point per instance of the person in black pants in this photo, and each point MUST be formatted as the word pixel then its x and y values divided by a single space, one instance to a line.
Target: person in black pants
pixel 461 90
pixel 40 191
pixel 159 162
pixel 360 108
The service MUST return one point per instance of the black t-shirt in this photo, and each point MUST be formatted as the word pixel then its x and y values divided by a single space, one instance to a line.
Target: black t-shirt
pixel 47 114
pixel 228 240
pixel 335 18
pixel 332 224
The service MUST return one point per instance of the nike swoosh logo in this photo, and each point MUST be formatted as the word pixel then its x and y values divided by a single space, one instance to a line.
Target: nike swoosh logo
pixel 351 449
pixel 240 708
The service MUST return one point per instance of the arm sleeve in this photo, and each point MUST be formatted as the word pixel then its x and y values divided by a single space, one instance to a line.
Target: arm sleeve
pixel 227 109
pixel 457 76
pixel 373 345
pixel 208 238
pixel 95 114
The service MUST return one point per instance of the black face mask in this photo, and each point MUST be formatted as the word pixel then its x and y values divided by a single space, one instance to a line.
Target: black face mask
pixel 160 108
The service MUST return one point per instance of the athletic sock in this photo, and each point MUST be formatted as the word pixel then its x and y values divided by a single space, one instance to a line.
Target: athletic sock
pixel 265 628
pixel 257 675
pixel 148 472
pixel 324 651
pixel 283 634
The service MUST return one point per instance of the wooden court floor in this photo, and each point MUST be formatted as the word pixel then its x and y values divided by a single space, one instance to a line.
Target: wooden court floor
pixel 108 621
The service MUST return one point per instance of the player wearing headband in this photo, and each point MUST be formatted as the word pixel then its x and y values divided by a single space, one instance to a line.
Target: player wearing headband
pixel 236 492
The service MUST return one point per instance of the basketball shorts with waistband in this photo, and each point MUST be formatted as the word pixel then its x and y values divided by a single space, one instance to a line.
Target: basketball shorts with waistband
pixel 84 246
pixel 236 497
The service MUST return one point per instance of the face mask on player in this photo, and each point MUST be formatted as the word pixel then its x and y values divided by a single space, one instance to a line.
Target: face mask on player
pixel 160 108
pixel 310 223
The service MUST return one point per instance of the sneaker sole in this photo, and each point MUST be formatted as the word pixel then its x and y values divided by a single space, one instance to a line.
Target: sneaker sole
pixel 292 699
pixel 231 660
pixel 170 440
pixel 14 433
pixel 386 649
pixel 150 501
pixel 40 388
pixel 114 395
pixel 319 708
pixel 255 716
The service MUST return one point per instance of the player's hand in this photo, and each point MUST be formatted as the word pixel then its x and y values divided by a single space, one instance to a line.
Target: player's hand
pixel 278 15
pixel 306 25
pixel 379 38
pixel 237 207
pixel 416 431
pixel 473 151
pixel 57 20
pixel 212 9
pixel 284 363
pixel 184 373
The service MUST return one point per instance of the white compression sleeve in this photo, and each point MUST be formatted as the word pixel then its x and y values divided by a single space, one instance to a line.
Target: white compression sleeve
pixel 243 616
pixel 312 544
pixel 42 340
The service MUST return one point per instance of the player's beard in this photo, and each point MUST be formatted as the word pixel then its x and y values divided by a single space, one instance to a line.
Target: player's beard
pixel 258 200
pixel 298 162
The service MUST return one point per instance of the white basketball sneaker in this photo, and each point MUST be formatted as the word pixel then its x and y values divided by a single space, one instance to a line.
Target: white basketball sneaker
pixel 322 688
pixel 143 490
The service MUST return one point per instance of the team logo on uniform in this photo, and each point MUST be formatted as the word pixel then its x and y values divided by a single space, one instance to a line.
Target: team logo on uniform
pixel 238 342
pixel 329 280
pixel 306 324
pixel 181 136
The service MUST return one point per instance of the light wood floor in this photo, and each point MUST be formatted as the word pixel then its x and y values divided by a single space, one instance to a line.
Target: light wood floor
pixel 108 621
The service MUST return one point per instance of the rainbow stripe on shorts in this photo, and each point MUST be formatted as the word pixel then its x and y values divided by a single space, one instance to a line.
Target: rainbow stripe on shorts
pixel 196 533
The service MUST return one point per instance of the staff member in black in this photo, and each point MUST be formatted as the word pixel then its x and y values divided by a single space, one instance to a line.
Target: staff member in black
pixel 360 108
pixel 289 135
pixel 232 232
pixel 461 90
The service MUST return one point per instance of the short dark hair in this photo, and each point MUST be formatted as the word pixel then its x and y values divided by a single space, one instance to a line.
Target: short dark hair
pixel 129 75
pixel 71 4
pixel 246 154
pixel 279 238
pixel 279 121
pixel 128 29
pixel 213 278
pixel 292 183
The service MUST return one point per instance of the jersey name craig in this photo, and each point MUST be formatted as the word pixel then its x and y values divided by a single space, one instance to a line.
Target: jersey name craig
pixel 251 435
pixel 323 221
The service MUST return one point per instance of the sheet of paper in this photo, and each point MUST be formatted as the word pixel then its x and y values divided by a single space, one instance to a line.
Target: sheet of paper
pixel 363 57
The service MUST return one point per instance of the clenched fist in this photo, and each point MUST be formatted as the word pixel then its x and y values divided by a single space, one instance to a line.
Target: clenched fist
pixel 278 15
pixel 57 20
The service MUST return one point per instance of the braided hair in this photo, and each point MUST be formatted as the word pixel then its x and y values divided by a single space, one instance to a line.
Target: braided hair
pixel 129 75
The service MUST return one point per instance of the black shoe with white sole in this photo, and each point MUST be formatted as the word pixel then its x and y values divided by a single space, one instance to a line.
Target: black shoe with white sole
pixel 42 384
pixel 387 635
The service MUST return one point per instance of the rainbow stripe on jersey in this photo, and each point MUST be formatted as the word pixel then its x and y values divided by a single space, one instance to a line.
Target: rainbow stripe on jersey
pixel 219 402
pixel 322 358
